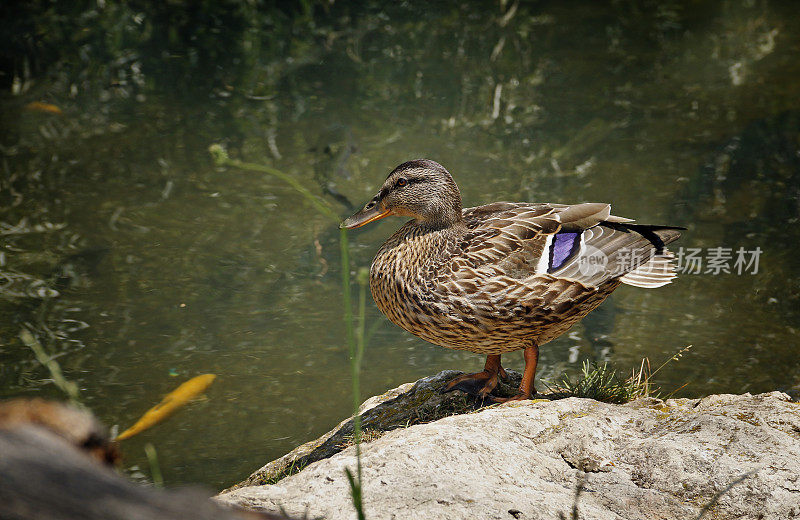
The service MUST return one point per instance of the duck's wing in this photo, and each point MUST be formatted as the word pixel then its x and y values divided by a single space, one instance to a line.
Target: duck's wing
pixel 581 242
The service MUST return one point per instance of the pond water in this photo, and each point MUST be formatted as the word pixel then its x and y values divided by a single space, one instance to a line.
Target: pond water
pixel 139 264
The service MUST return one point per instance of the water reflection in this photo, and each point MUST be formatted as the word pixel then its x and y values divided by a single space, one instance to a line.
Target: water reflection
pixel 140 265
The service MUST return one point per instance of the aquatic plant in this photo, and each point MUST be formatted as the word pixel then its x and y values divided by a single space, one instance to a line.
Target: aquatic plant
pixel 70 388
pixel 356 335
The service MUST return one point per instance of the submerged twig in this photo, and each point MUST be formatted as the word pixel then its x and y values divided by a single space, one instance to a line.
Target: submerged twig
pixel 68 387
pixel 498 91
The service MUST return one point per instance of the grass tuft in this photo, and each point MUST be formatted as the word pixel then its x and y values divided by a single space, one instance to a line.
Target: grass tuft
pixel 601 383
pixel 294 467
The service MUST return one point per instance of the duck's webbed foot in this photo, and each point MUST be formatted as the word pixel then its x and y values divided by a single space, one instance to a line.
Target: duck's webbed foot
pixel 480 384
pixel 502 373
pixel 471 383
pixel 519 397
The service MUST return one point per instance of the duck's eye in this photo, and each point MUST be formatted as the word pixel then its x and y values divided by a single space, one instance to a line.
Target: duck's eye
pixel 369 205
pixel 401 182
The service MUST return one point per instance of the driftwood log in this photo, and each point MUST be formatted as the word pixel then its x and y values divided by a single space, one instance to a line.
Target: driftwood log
pixel 55 463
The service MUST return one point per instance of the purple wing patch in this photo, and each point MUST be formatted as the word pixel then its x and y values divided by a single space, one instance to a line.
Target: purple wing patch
pixel 564 245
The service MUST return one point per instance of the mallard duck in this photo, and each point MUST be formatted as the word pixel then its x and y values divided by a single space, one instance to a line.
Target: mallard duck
pixel 501 277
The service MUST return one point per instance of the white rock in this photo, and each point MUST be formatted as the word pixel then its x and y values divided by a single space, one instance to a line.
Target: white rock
pixel 648 459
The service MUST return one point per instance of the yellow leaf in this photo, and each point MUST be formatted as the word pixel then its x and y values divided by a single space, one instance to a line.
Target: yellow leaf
pixel 171 402
pixel 38 106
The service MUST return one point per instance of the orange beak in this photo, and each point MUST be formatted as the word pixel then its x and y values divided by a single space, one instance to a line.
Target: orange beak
pixel 365 216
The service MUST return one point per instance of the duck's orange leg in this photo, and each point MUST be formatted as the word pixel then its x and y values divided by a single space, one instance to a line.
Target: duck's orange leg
pixel 526 388
pixel 491 372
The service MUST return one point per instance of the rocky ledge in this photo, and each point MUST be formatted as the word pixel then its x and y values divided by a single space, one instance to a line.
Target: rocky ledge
pixel 722 456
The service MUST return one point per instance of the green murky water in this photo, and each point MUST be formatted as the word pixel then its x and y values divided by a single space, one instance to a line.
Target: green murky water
pixel 140 264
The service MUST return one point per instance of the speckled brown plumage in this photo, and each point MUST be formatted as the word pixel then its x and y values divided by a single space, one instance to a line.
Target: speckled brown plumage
pixel 485 279
pixel 461 289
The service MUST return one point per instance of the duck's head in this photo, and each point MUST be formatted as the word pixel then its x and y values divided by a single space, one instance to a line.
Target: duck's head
pixel 420 189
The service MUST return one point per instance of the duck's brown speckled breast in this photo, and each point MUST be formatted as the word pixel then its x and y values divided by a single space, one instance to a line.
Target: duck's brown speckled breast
pixel 413 284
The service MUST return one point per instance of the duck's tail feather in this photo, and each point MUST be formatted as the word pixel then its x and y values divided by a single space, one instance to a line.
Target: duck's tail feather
pixel 657 272
pixel 659 236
